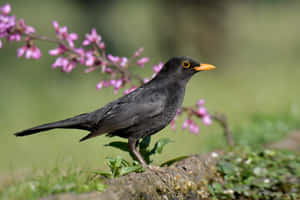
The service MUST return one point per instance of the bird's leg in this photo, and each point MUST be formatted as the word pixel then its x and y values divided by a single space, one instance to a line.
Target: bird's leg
pixel 132 144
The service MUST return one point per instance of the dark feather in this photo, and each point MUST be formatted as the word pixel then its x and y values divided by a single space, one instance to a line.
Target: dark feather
pixel 77 122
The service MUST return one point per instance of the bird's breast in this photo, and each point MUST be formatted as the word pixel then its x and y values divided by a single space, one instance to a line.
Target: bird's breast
pixel 174 102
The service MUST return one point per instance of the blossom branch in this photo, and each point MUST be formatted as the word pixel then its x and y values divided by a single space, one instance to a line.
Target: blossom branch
pixel 199 111
pixel 222 120
pixel 91 54
pixel 42 38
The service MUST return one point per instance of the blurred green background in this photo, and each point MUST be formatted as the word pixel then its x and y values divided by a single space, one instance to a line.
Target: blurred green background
pixel 254 44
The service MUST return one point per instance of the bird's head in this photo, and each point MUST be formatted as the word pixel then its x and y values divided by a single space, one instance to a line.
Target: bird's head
pixel 183 68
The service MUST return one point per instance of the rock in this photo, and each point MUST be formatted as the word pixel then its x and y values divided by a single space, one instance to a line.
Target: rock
pixel 291 142
pixel 184 180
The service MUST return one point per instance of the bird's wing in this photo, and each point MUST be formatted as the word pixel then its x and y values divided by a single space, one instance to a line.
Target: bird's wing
pixel 131 109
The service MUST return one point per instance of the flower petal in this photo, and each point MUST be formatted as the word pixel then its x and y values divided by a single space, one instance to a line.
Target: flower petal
pixel 202 111
pixel 6 9
pixel 207 120
pixel 142 61
pixel 200 102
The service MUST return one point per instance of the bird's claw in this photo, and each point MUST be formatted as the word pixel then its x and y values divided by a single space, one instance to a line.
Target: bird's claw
pixel 154 168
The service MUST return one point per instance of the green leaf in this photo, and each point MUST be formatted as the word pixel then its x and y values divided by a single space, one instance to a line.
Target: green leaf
pixel 172 161
pixel 105 174
pixel 145 142
pixel 118 161
pixel 159 145
pixel 119 145
pixel 100 187
pixel 127 170
pixel 218 187
pixel 227 168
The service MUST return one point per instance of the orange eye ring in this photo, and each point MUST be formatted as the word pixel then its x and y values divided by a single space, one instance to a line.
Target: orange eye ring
pixel 186 64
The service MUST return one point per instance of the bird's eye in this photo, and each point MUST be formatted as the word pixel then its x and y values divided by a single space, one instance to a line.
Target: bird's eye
pixel 186 64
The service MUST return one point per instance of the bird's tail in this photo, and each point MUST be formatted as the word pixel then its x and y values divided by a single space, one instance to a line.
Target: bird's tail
pixel 78 122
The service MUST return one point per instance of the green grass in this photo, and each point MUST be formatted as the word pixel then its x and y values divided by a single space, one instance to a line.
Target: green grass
pixel 265 128
pixel 54 181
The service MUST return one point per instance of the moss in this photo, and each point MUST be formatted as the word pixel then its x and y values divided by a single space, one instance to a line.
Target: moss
pixel 257 174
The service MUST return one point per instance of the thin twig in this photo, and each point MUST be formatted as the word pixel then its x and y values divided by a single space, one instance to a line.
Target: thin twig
pixel 43 38
pixel 222 120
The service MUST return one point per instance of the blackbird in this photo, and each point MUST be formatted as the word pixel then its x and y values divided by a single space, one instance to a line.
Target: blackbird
pixel 141 113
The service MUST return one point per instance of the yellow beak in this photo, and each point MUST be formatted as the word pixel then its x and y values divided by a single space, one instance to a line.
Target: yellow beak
pixel 204 67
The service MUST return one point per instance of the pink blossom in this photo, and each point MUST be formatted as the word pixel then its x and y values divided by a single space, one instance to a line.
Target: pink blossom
pixel 59 50
pixel 56 27
pixel 0 44
pixel 81 55
pixel 90 58
pixel 112 82
pixel 36 52
pixel 25 28
pixel 6 25
pixel 5 9
pixel 108 70
pixel 21 50
pixel 186 123
pixel 30 52
pixel 141 62
pixel 60 62
pixel 62 33
pixel 92 38
pixel 8 21
pixel 117 84
pixel 202 111
pixel 69 67
pixel 194 128
pixel 55 52
pixel 101 46
pixel 100 85
pixel 71 38
pixel 107 84
pixel 157 68
pixel 114 59
pixel 200 102
pixel 173 126
pixel 138 52
pixel 207 120
pixel 14 37
pixel 130 90
pixel 65 64
pixel 123 62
